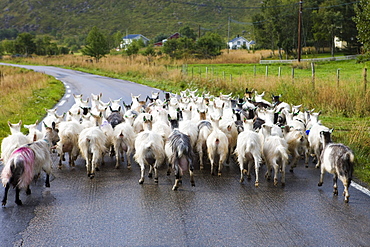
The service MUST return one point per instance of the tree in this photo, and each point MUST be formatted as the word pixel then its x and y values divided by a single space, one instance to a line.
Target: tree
pixel 362 21
pixel 1 49
pixel 117 39
pixel 149 51
pixel 182 47
pixel 188 32
pixel 209 45
pixel 160 37
pixel 134 47
pixel 96 45
pixel 328 22
pixel 24 44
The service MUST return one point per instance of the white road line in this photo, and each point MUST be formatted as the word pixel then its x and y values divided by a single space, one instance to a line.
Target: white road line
pixel 67 96
pixel 62 102
pixel 360 188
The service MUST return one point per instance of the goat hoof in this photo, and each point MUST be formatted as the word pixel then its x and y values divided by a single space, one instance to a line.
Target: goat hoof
pixel 335 192
pixel 47 185
pixel 193 184
pixel 291 170
pixel 319 184
pixel 150 175
pixel 141 181
pixel 19 202
pixel 3 203
pixel 174 188
pixel 28 192
pixel 156 180
pixel 241 180
pixel 97 169
pixel 92 176
pixel 219 174
pixel 256 184
pixel 283 184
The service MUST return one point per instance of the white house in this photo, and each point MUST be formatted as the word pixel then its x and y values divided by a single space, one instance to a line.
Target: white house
pixel 339 43
pixel 240 42
pixel 131 37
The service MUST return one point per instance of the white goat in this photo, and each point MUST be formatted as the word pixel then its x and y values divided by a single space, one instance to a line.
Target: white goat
pixel 124 143
pixel 51 117
pixel 150 151
pixel 297 141
pixel 91 142
pixel 13 141
pixel 204 129
pixel 217 146
pixel 337 159
pixel 68 143
pixel 248 149
pixel 275 152
pixel 26 162
pixel 33 133
pixel 314 141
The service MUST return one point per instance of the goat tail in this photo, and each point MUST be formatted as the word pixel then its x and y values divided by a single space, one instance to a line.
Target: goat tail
pixel 283 152
pixel 19 168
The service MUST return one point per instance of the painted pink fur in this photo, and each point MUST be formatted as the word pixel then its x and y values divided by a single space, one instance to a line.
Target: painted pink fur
pixel 26 155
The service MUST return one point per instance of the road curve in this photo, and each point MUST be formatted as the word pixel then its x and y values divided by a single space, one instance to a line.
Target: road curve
pixel 114 210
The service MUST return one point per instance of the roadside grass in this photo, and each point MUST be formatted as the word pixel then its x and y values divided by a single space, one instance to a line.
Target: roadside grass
pixel 345 103
pixel 24 95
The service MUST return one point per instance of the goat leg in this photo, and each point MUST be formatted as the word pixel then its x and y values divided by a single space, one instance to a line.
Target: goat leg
pixel 335 184
pixel 17 200
pixel 5 194
pixel 28 190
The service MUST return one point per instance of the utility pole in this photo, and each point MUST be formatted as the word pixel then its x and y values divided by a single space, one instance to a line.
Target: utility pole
pixel 228 34
pixel 299 31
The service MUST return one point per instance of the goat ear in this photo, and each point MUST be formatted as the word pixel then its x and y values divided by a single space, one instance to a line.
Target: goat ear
pixel 44 124
pixel 151 117
pixel 331 131
pixel 53 125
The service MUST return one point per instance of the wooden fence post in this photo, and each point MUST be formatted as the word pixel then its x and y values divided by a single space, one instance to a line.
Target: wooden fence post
pixel 254 70
pixel 313 75
pixel 338 72
pixel 279 73
pixel 267 71
pixel 365 80
pixel 293 74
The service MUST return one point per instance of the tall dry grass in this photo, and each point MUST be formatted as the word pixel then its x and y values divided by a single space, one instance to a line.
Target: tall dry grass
pixel 17 85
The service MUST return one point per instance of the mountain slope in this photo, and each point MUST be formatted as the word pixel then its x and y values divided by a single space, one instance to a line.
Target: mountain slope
pixel 148 17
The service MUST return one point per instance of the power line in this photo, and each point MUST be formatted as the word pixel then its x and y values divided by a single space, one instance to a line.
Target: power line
pixel 332 6
pixel 226 6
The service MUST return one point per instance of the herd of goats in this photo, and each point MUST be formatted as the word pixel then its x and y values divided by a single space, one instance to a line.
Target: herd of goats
pixel 177 130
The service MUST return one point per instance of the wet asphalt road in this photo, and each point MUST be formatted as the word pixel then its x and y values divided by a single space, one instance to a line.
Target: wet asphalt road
pixel 114 210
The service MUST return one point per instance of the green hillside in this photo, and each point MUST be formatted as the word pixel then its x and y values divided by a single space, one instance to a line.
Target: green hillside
pixel 148 17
